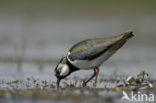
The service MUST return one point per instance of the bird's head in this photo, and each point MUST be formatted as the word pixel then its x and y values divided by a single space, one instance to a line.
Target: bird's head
pixel 62 70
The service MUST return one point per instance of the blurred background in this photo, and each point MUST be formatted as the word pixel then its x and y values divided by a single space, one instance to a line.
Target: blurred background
pixel 35 34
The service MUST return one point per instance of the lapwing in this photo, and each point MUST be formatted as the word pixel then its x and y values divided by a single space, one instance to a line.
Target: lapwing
pixel 89 55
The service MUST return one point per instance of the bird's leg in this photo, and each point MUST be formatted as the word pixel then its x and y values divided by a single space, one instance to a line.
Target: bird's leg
pixel 85 82
pixel 96 76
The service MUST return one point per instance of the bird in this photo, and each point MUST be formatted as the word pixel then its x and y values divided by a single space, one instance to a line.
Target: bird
pixel 89 55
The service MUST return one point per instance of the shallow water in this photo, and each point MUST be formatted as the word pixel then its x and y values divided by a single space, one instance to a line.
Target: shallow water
pixel 40 37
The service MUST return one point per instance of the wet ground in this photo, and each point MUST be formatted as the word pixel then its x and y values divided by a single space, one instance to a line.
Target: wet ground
pixel 38 90
pixel 32 40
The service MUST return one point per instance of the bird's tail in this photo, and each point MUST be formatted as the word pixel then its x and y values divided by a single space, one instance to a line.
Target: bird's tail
pixel 127 35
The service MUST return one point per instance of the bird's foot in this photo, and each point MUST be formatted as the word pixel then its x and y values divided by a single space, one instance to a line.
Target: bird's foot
pixel 84 84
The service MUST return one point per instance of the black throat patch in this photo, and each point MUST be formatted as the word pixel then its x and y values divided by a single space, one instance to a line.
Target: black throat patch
pixel 72 67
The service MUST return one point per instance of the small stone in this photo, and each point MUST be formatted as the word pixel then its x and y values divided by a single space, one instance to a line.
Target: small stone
pixel 130 79
pixel 150 85
pixel 121 84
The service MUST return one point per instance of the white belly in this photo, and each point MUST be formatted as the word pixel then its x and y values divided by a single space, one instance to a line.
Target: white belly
pixel 87 65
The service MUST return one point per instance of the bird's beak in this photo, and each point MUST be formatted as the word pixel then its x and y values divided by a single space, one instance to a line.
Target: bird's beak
pixel 58 83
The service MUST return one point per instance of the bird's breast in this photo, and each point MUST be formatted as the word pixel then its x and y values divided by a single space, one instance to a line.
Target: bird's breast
pixel 90 64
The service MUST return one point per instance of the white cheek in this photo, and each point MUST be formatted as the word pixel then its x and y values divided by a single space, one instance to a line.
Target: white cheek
pixel 65 70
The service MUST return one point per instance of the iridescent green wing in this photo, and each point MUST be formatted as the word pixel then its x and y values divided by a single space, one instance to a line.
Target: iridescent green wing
pixel 88 49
